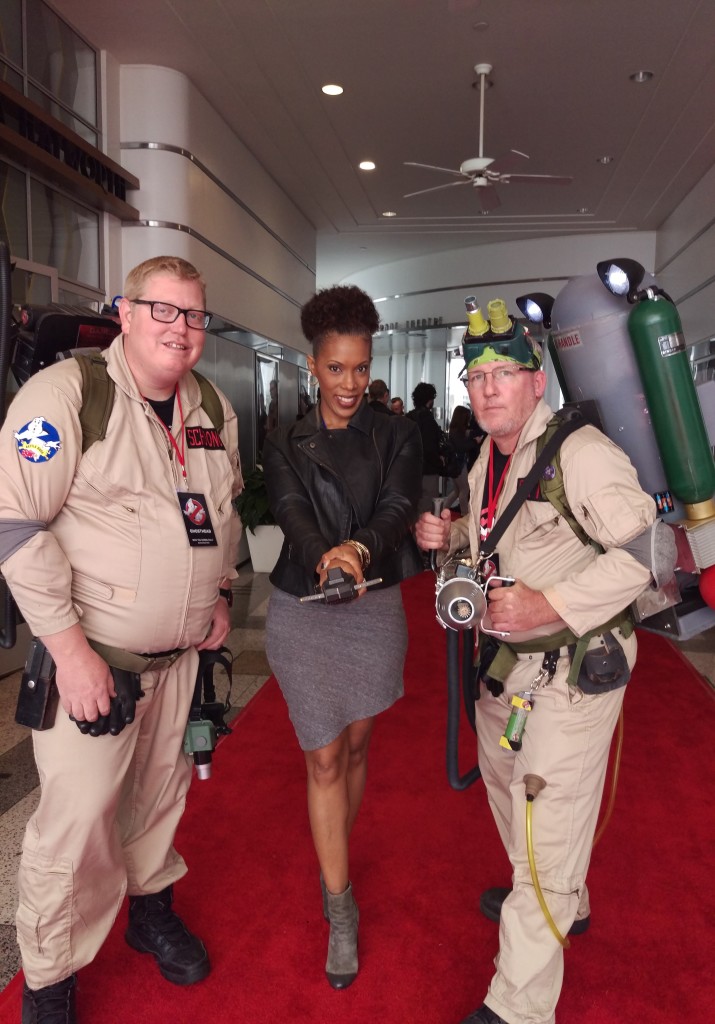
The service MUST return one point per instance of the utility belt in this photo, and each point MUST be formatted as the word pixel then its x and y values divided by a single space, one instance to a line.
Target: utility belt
pixel 129 662
pixel 593 671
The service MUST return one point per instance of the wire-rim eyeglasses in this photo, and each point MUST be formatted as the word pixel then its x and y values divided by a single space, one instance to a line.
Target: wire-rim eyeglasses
pixel 499 375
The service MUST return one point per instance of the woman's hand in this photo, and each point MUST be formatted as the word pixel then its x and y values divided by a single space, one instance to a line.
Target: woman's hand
pixel 342 556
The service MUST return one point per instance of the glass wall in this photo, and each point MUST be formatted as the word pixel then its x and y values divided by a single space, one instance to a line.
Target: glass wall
pixel 13 210
pixel 60 70
pixel 48 62
pixel 65 235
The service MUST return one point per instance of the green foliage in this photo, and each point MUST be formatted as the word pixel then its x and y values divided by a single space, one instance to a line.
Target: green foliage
pixel 252 503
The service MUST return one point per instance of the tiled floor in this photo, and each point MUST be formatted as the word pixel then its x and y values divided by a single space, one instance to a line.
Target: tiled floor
pixel 18 779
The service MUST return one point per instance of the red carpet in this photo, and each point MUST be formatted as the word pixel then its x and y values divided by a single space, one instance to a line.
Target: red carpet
pixel 421 853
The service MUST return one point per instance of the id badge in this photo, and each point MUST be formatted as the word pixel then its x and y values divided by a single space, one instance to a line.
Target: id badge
pixel 195 513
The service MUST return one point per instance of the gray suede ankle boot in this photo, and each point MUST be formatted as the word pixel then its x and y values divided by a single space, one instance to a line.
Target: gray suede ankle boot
pixel 342 964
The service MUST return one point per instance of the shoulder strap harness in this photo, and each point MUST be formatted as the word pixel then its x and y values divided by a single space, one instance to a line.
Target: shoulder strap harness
pixel 98 399
pixel 548 453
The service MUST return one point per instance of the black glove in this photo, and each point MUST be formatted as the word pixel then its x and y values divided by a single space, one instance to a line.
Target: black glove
pixel 121 708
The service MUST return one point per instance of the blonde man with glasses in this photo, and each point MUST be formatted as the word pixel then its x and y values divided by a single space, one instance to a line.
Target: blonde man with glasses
pixel 569 596
pixel 128 548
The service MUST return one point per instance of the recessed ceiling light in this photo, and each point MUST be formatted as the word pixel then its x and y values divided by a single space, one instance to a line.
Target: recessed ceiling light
pixel 480 26
pixel 582 209
pixel 484 213
pixel 389 213
pixel 367 165
pixel 604 159
pixel 641 76
pixel 332 90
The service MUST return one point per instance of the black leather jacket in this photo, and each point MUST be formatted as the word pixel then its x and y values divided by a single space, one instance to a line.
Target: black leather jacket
pixel 319 499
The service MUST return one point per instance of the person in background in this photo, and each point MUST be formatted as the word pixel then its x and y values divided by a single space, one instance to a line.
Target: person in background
pixel 467 448
pixel 423 400
pixel 397 406
pixel 343 485
pixel 100 554
pixel 379 397
pixel 568 648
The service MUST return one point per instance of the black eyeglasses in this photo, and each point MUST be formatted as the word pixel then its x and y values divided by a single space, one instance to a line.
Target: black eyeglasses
pixel 165 313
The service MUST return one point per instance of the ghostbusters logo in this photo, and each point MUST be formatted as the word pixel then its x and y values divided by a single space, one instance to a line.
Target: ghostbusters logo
pixel 38 441
pixel 195 511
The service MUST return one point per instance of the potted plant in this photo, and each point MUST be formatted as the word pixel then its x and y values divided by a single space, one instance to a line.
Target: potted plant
pixel 264 536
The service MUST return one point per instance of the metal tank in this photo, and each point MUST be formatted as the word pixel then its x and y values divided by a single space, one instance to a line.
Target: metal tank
pixel 589 331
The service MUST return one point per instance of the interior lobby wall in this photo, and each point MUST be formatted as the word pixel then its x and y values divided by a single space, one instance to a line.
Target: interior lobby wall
pixel 436 285
pixel 203 196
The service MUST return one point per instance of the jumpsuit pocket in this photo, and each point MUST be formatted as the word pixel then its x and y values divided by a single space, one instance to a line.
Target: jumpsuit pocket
pixel 44 913
pixel 540 518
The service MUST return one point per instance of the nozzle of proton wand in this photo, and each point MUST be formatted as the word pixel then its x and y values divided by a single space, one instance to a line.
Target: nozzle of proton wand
pixel 202 760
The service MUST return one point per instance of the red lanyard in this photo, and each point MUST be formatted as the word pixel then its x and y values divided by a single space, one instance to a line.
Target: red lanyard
pixel 493 497
pixel 174 445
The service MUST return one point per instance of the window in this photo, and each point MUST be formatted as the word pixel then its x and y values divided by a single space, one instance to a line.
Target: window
pixel 61 63
pixel 13 209
pixel 65 235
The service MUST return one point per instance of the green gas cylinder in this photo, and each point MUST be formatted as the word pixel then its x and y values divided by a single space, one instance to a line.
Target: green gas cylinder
pixel 657 336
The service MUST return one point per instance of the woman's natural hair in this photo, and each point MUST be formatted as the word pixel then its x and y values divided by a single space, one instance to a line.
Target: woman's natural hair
pixel 422 394
pixel 460 419
pixel 174 266
pixel 343 309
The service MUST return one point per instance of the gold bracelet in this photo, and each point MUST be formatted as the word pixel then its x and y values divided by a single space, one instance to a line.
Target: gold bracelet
pixel 361 550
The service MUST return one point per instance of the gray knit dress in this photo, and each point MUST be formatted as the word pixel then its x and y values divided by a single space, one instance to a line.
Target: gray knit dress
pixel 338 663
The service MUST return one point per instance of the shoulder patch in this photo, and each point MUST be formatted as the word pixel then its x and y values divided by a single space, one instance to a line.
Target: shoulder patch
pixel 38 440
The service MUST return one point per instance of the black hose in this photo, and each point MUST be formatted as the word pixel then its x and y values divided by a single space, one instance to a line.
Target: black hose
pixel 454 706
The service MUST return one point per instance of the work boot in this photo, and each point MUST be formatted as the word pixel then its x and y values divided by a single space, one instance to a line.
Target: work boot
pixel 155 928
pixel 342 964
pixel 484 1015
pixel 490 904
pixel 53 1004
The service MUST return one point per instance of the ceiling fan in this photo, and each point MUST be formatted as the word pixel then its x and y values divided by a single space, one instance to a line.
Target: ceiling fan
pixel 483 172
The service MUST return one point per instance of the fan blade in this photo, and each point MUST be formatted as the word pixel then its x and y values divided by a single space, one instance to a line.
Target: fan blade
pixel 437 188
pixel 507 161
pixel 431 167
pixel 488 198
pixel 535 179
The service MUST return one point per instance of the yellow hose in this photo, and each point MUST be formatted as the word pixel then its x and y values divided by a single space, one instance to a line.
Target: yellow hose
pixel 532 792
pixel 535 879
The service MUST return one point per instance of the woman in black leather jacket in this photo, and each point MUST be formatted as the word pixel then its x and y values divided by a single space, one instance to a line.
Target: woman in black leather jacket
pixel 343 484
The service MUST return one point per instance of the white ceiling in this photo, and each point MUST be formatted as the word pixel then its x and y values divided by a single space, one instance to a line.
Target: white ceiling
pixel 561 93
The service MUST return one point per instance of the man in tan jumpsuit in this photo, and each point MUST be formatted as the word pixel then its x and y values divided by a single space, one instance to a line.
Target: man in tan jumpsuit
pixel 97 547
pixel 560 582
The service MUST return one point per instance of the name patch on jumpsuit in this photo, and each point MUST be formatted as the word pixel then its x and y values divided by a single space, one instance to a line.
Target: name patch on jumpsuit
pixel 200 437
pixel 38 441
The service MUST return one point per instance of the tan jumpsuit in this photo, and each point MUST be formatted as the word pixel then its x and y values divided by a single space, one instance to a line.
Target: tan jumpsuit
pixel 568 733
pixel 115 557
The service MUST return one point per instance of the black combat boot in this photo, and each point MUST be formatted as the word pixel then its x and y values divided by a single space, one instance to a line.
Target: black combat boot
pixel 155 928
pixel 53 1004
